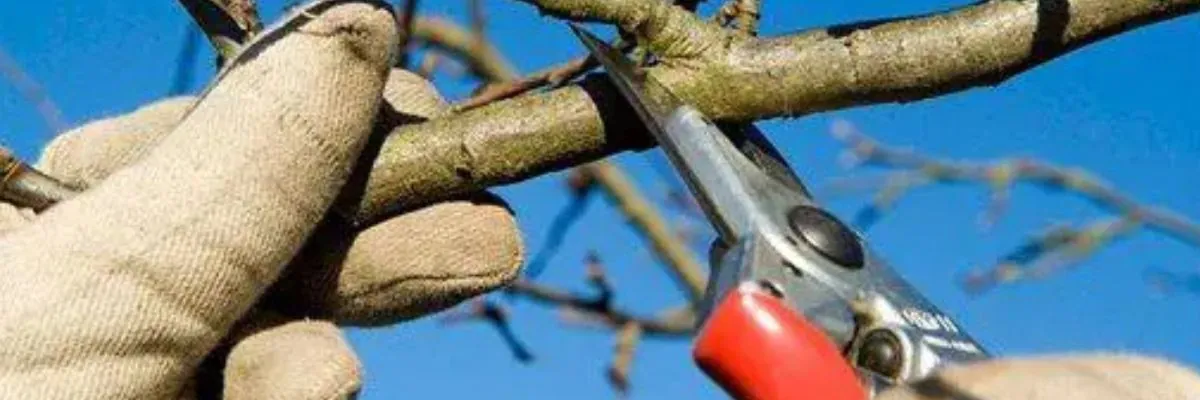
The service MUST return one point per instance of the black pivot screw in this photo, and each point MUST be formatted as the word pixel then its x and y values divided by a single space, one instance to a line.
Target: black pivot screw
pixel 828 236
pixel 880 352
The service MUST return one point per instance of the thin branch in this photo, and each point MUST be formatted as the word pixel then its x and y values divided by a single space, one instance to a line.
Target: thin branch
pixel 497 317
pixel 407 16
pixel 581 190
pixel 482 59
pixel 1049 253
pixel 553 76
pixel 1000 175
pixel 430 62
pixel 1042 255
pixel 598 279
pixel 21 184
pixel 478 20
pixel 681 262
pixel 628 337
pixel 33 93
pixel 611 317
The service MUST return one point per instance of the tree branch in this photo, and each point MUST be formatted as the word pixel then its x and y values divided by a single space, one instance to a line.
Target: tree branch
pixel 405 19
pixel 610 316
pixel 685 269
pixel 1043 254
pixel 1000 175
pixel 29 88
pixel 628 337
pixel 482 59
pixel 733 77
pixel 553 76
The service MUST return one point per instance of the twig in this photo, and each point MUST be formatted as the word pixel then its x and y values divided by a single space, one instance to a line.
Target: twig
pixel 406 16
pixel 21 184
pixel 618 371
pixel 553 76
pixel 33 93
pixel 610 317
pixel 478 20
pixel 681 262
pixel 429 64
pixel 1044 254
pixel 482 59
pixel 496 316
pixel 580 185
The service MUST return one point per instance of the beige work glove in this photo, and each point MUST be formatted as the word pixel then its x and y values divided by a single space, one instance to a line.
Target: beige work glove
pixel 1080 377
pixel 156 282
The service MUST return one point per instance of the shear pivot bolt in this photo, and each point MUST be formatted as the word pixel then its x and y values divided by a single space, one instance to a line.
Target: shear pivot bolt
pixel 827 236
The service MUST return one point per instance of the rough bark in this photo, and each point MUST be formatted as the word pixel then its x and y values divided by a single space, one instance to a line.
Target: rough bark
pixel 735 77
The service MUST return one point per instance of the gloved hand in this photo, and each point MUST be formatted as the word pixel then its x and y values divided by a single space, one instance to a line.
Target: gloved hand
pixel 1081 377
pixel 166 277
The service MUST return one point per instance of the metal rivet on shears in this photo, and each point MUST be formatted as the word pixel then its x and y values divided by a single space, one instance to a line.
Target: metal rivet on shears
pixel 880 352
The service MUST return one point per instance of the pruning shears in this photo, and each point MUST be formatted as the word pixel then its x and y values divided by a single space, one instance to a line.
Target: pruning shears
pixel 796 307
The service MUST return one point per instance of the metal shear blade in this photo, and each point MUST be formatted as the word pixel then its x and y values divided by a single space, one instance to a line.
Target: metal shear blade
pixel 728 185
pixel 762 215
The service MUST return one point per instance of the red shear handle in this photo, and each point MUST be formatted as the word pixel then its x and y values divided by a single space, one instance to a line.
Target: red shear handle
pixel 758 349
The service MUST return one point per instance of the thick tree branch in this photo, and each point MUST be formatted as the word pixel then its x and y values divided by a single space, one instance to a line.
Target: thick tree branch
pixel 733 77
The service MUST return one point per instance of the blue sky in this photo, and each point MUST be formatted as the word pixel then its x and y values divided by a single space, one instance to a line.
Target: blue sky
pixel 1123 109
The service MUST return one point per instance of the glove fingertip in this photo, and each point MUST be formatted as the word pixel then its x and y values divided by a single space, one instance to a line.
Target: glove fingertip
pixel 412 94
pixel 85 155
pixel 296 360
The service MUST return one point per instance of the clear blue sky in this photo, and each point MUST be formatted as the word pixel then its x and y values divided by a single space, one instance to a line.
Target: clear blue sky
pixel 1124 109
